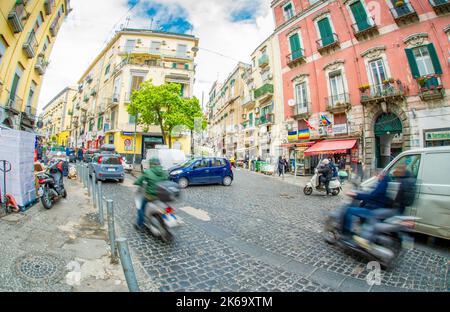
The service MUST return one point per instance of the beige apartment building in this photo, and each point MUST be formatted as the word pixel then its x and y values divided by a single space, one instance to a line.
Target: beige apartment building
pixel 130 58
pixel 57 116
pixel 28 31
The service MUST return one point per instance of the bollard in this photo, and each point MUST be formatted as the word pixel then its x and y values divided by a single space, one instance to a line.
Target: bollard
pixel 94 191
pixel 111 230
pixel 100 203
pixel 88 182
pixel 127 265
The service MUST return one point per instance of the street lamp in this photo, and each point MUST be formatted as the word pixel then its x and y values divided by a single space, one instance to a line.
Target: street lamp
pixel 135 139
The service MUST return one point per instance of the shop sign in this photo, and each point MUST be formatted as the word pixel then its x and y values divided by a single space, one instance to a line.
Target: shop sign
pixel 128 133
pixel 340 129
pixel 438 135
pixel 154 140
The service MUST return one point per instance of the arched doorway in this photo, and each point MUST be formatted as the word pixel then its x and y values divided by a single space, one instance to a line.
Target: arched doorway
pixel 388 138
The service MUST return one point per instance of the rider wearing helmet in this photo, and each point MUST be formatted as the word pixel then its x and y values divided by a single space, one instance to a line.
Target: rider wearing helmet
pixel 326 174
pixel 151 177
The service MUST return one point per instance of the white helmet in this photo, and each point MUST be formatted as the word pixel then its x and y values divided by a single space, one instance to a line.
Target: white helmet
pixel 325 161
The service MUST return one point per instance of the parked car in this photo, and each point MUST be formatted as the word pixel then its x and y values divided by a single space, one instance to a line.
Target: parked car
pixel 107 167
pixel 168 157
pixel 127 166
pixel 210 170
pixel 72 156
pixel 431 167
pixel 87 157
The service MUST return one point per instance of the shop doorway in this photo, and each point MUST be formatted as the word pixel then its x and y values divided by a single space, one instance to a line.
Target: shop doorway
pixel 388 138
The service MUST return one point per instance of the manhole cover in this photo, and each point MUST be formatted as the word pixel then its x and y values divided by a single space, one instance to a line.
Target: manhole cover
pixel 40 268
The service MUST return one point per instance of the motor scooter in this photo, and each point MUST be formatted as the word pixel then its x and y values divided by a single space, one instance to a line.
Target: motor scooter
pixel 51 184
pixel 314 184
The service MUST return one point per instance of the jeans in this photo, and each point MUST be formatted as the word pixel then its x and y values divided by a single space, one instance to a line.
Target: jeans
pixel 354 211
pixel 141 213
pixel 325 181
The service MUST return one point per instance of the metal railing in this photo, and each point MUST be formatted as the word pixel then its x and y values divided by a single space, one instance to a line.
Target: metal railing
pixel 248 99
pixel 163 52
pixel 364 25
pixel 268 118
pixel 327 41
pixel 381 91
pixel 30 45
pixel 337 99
pixel 265 89
pixel 55 27
pixel 403 10
pixel 48 6
pixel 301 108
pixel 41 65
pixel 263 60
pixel 436 3
pixel 16 17
pixel 15 102
pixel 295 55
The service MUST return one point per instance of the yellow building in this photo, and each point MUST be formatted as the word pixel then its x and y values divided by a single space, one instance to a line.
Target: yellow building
pixel 130 58
pixel 28 31
pixel 56 117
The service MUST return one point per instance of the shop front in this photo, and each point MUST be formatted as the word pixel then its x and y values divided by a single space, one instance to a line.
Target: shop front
pixel 299 163
pixel 437 137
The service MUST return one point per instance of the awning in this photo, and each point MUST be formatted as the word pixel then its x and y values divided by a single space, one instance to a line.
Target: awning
pixel 330 147
pixel 301 144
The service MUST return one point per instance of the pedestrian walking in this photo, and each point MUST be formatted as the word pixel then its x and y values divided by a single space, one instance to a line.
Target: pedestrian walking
pixel 281 166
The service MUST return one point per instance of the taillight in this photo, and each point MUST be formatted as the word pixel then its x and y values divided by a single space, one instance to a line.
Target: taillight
pixel 121 159
pixel 169 210
pixel 41 181
pixel 100 159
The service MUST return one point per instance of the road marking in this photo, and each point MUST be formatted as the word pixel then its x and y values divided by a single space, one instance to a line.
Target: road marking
pixel 196 213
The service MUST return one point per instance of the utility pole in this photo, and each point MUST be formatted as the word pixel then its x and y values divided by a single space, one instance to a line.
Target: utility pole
pixel 135 137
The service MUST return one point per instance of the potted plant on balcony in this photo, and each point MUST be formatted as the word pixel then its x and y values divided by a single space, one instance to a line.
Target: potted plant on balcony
pixel 399 4
pixel 364 88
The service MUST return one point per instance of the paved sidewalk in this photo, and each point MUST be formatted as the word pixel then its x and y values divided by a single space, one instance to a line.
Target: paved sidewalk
pixel 49 250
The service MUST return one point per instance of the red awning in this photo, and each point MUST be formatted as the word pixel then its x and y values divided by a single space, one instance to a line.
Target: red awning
pixel 301 144
pixel 330 147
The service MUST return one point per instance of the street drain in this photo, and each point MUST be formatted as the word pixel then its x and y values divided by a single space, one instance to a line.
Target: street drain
pixel 40 268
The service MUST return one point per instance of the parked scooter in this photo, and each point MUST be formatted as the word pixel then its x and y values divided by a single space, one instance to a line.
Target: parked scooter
pixel 159 215
pixel 52 184
pixel 314 184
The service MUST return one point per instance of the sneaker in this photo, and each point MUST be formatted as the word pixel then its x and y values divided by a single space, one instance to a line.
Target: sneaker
pixel 138 227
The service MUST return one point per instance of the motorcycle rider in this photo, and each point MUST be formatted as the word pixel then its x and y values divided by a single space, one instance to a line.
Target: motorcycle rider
pixel 326 174
pixel 151 177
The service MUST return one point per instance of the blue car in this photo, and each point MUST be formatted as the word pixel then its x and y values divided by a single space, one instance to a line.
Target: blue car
pixel 211 170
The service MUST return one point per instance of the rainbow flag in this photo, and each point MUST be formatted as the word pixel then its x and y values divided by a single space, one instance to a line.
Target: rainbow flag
pixel 325 120
pixel 292 136
pixel 304 134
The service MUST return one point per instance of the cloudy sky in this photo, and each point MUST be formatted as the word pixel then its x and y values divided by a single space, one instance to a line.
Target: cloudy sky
pixel 229 31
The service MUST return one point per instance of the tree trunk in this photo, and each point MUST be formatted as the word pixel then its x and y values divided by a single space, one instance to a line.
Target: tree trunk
pixel 161 126
pixel 170 140
pixel 192 142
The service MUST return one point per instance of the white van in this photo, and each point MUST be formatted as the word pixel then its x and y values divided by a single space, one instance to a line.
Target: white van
pixel 431 167
pixel 167 157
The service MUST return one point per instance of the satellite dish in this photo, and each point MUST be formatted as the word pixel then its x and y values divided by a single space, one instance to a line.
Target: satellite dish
pixel 39 124
pixel 291 102
pixel 263 130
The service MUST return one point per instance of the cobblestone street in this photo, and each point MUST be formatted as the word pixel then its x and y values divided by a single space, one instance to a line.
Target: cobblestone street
pixel 262 234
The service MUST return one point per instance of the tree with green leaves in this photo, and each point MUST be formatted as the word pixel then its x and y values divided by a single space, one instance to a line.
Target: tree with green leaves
pixel 193 117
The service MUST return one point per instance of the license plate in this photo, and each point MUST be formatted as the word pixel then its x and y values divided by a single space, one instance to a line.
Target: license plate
pixel 170 220
pixel 40 192
pixel 111 169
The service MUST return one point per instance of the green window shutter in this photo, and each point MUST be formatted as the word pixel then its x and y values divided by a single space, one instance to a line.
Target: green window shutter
pixel 174 65
pixel 295 46
pixel 326 34
pixel 360 15
pixel 412 63
pixel 186 66
pixel 434 59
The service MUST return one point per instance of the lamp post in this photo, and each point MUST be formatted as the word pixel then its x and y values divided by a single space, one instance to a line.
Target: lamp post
pixel 135 137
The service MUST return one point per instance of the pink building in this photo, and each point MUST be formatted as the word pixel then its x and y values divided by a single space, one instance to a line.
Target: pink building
pixel 378 71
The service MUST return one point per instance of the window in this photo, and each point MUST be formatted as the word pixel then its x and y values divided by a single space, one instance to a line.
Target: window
pixel 412 163
pixel 288 11
pixel 301 95
pixel 174 65
pixel 377 75
pixel 2 49
pixel 326 33
pixel 296 48
pixel 130 45
pixel 136 81
pixel 31 94
pixel 423 61
pixel 218 162
pixel 108 68
pixel 116 92
pixel 131 119
pixel 340 119
pixel 336 87
pixel 15 85
pixel 250 119
pixel 46 44
pixel 436 175
pixel 204 163
pixel 182 50
pixel 360 16
pixel 39 21
pixel 100 123
pixel 186 66
pixel 91 125
pixel 311 2
pixel 155 47
pixel 253 62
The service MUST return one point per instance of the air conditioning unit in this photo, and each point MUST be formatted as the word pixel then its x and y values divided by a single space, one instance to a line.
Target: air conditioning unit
pixel 323 131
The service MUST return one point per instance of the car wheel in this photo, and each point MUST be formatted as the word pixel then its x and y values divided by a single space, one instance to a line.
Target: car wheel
pixel 121 180
pixel 183 183
pixel 227 181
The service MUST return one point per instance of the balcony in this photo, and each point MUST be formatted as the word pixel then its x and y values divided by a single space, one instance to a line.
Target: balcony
pixel 160 53
pixel 365 29
pixel 248 100
pixel 15 103
pixel 93 92
pixel 17 16
pixel 264 120
pixel 49 6
pixel 301 110
pixel 404 13
pixel 86 98
pixel 54 27
pixel 41 65
pixel 264 92
pixel 338 103
pixel 296 58
pixel 112 101
pixel 263 61
pixel 328 44
pixel 440 6
pixel 430 88
pixel 387 92
pixel 30 45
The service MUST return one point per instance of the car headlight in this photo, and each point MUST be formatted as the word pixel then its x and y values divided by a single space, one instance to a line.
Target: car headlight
pixel 176 172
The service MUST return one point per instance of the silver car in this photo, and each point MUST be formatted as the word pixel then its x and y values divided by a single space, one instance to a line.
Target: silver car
pixel 107 166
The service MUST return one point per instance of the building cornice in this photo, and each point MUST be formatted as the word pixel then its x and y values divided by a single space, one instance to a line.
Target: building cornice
pixel 415 38
pixel 334 64
pixel 447 28
pixel 300 76
pixel 373 50
pixel 321 14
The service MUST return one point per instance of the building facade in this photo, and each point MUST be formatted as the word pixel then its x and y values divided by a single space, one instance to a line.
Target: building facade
pixel 57 117
pixel 104 92
pixel 371 77
pixel 28 31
